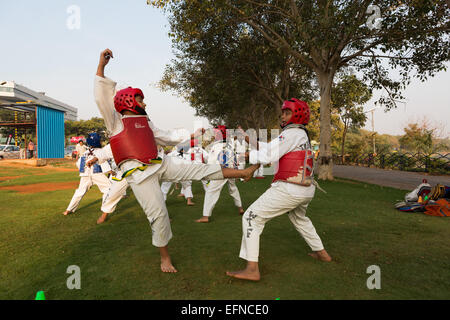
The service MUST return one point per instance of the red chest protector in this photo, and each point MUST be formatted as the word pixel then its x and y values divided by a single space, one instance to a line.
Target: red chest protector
pixel 135 142
pixel 296 167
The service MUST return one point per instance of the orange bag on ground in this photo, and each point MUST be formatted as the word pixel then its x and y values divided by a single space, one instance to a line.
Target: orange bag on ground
pixel 440 208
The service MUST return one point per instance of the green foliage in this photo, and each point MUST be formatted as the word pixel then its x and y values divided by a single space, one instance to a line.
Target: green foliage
pixel 420 138
pixel 83 127
pixel 230 74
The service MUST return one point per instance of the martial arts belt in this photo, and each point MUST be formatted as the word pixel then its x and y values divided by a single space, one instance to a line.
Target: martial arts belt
pixel 141 168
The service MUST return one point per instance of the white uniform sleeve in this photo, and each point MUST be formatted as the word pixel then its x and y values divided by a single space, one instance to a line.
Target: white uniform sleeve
pixel 103 154
pixel 169 137
pixel 104 91
pixel 286 142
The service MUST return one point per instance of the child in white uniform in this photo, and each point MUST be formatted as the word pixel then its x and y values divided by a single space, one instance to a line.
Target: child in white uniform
pixel 222 152
pixel 292 190
pixel 90 175
pixel 134 141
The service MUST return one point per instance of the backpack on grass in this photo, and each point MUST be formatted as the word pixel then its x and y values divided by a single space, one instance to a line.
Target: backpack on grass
pixel 439 208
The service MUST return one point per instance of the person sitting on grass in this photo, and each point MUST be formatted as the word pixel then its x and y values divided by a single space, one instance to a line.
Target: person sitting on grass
pixel 134 140
pixel 291 191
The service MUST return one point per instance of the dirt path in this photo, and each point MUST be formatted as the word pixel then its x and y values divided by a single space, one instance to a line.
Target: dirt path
pixel 48 168
pixel 388 178
pixel 42 187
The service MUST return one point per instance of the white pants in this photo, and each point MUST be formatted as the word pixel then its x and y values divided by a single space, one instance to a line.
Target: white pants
pixel 259 172
pixel 205 184
pixel 149 195
pixel 165 187
pixel 116 192
pixel 212 195
pixel 276 201
pixel 186 189
pixel 86 183
pixel 22 153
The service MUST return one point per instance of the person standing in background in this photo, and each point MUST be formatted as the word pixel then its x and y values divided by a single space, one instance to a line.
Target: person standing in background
pixel 30 149
pixel 80 148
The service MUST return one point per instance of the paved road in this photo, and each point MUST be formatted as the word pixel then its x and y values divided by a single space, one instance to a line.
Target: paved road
pixel 389 178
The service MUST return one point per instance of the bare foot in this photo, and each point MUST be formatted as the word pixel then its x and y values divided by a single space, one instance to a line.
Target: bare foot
pixel 189 202
pixel 67 212
pixel 249 171
pixel 102 218
pixel 203 219
pixel 245 275
pixel 321 255
pixel 166 266
pixel 180 195
pixel 241 211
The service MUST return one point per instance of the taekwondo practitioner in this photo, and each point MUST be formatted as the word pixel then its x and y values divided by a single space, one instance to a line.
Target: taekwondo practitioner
pixel 221 151
pixel 291 191
pixel 90 175
pixel 134 140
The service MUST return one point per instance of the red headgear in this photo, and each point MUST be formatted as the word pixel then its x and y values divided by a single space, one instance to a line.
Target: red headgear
pixel 221 133
pixel 300 111
pixel 125 99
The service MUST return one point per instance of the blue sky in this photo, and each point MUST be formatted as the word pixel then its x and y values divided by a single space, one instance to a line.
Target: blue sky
pixel 39 51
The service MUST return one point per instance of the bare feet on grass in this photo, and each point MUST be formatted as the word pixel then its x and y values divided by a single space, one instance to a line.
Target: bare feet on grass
pixel 189 202
pixel 166 263
pixel 251 272
pixel 241 211
pixel 180 195
pixel 102 218
pixel 166 266
pixel 67 212
pixel 249 171
pixel 203 219
pixel 321 255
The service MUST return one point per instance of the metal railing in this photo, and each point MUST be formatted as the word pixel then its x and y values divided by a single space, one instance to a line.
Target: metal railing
pixel 405 161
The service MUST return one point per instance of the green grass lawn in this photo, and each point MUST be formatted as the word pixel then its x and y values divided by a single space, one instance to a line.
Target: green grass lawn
pixel 356 221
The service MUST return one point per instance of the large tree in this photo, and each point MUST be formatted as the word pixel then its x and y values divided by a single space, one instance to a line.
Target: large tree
pixel 329 35
pixel 236 78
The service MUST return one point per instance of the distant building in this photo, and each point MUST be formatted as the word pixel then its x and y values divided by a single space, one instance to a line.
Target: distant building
pixel 27 110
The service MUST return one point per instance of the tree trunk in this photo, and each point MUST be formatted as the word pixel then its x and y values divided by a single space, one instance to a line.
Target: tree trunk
pixel 325 160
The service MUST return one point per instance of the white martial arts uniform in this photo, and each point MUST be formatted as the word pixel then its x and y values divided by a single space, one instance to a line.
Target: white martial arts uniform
pixel 280 198
pixel 223 153
pixel 89 176
pixel 118 189
pixel 145 183
pixel 165 185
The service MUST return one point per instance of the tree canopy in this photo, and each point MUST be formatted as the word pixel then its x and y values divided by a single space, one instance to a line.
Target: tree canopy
pixel 327 36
